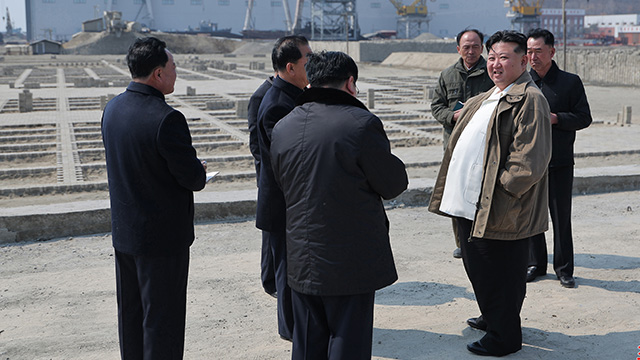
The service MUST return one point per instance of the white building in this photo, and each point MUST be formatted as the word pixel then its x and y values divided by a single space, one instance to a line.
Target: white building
pixel 603 21
pixel 60 19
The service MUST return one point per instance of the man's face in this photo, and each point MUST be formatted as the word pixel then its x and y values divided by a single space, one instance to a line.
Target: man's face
pixel 168 75
pixel 299 73
pixel 470 48
pixel 540 55
pixel 504 64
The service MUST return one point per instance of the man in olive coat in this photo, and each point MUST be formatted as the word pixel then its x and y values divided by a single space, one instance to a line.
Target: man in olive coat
pixel 458 83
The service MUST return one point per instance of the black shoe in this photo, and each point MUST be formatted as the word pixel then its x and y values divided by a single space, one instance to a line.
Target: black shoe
pixel 567 281
pixel 457 253
pixel 533 273
pixel 478 349
pixel 477 323
pixel 273 294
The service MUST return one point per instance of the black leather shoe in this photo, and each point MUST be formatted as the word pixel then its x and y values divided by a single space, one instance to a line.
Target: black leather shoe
pixel 477 323
pixel 457 253
pixel 567 281
pixel 477 348
pixel 533 272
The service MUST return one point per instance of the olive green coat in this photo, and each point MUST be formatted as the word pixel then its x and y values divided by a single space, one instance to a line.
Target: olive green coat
pixel 457 84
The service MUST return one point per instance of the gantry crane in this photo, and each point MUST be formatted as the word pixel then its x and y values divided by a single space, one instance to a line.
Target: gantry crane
pixel 411 18
pixel 524 14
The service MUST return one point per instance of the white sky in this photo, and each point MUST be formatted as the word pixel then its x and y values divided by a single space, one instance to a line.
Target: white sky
pixel 17 13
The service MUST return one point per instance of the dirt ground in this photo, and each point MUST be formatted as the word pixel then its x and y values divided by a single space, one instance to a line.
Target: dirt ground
pixel 57 298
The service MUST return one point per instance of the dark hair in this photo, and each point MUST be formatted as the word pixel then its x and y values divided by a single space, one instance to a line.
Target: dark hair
pixel 542 33
pixel 459 36
pixel 330 68
pixel 508 36
pixel 287 50
pixel 144 55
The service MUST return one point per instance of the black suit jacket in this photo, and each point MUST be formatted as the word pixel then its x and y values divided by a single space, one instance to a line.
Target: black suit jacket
pixel 277 102
pixel 566 97
pixel 254 105
pixel 153 170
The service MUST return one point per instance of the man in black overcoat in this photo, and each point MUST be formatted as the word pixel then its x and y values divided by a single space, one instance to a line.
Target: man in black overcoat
pixel 153 171
pixel 569 112
pixel 289 56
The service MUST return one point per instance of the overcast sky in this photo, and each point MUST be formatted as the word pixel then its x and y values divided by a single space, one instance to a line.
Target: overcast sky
pixel 16 10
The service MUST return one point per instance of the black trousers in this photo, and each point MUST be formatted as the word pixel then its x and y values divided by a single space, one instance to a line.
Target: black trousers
pixel 560 189
pixel 152 302
pixel 277 241
pixel 332 327
pixel 267 268
pixel 497 270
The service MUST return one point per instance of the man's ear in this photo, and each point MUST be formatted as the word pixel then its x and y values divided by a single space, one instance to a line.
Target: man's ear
pixel 290 68
pixel 350 86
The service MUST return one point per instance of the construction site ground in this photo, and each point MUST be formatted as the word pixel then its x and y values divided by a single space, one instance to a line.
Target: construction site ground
pixel 57 298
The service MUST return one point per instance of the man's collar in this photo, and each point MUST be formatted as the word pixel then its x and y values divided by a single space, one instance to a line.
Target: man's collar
pixel 287 87
pixel 329 96
pixel 145 89
pixel 550 76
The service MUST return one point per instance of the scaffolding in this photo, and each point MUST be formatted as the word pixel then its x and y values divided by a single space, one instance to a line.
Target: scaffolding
pixel 334 20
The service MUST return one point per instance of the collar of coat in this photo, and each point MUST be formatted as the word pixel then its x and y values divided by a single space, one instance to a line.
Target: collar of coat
pixel 549 77
pixel 290 89
pixel 144 89
pixel 329 96
pixel 516 93
pixel 480 66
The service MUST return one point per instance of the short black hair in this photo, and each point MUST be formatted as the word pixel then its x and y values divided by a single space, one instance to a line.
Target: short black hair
pixel 330 68
pixel 508 36
pixel 459 36
pixel 287 50
pixel 542 33
pixel 146 54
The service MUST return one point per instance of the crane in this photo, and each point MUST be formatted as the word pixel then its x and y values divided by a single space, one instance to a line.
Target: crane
pixel 411 18
pixel 418 7
pixel 526 13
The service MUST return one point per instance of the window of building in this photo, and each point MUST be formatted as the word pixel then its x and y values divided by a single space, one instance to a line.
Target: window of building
pixel 276 3
pixel 375 5
pixel 223 2
pixel 443 6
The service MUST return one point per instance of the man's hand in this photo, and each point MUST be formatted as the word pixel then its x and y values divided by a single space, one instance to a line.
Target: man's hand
pixel 456 115
pixel 204 165
pixel 554 119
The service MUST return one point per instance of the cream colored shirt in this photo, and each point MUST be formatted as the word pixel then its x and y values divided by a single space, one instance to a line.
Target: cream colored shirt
pixel 464 176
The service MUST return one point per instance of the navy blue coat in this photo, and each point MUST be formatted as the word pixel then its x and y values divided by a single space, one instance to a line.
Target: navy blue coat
pixel 566 97
pixel 153 170
pixel 277 102
pixel 254 105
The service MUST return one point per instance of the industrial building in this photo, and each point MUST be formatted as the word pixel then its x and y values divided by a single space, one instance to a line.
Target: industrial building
pixel 59 19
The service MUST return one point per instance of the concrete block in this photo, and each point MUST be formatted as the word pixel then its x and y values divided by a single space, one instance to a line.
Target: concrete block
pixel 25 101
pixel 626 115
pixel 219 105
pixel 242 108
pixel 371 98
pixel 191 91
